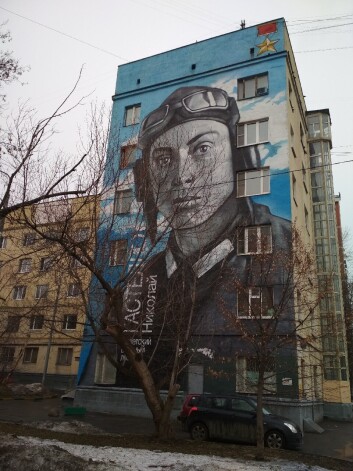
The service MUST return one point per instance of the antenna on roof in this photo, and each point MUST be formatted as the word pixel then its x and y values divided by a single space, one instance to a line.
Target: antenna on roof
pixel 242 24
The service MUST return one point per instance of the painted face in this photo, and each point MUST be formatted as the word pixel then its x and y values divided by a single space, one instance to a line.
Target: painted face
pixel 191 172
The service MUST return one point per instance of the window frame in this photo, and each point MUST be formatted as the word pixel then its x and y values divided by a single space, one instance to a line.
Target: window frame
pixel 13 324
pixel 119 206
pixel 73 290
pixel 246 381
pixel 264 178
pixel 29 353
pixel 19 289
pixel 5 357
pixel 3 242
pixel 82 234
pixel 242 86
pixel 36 322
pixel 243 235
pixel 29 239
pixel 25 265
pixel 66 321
pixel 114 252
pixel 64 356
pixel 245 134
pixel 252 296
pixel 135 117
pixel 42 291
pixel 45 264
pixel 127 156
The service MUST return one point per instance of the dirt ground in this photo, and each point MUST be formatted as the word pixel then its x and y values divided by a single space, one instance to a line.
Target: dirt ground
pixel 8 449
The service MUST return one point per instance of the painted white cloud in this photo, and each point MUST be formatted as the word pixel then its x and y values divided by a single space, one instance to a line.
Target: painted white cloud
pixel 276 154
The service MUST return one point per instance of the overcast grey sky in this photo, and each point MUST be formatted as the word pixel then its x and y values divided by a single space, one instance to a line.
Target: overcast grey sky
pixel 56 37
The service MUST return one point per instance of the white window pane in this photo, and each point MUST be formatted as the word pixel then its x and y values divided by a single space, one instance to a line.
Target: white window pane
pixel 249 88
pixel 252 239
pixel 262 82
pixel 240 90
pixel 263 131
pixel 266 180
pixel 129 116
pixel 251 133
pixel 241 184
pixel 253 183
pixel 241 135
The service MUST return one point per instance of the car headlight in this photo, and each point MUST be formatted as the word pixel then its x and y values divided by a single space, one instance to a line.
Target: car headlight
pixel 291 427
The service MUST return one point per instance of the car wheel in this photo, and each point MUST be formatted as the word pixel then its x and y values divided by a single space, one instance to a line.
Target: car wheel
pixel 274 439
pixel 199 432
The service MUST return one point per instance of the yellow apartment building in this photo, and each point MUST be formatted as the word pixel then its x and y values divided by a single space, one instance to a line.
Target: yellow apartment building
pixel 43 292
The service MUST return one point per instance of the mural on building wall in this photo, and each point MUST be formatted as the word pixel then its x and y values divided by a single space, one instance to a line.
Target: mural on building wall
pixel 195 176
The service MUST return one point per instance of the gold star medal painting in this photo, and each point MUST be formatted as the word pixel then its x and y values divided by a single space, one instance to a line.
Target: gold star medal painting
pixel 267 45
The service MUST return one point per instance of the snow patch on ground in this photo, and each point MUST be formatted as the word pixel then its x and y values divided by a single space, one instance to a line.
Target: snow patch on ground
pixel 74 426
pixel 128 459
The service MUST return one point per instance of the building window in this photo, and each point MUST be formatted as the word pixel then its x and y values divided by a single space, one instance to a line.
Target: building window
pixel 255 302
pixel 29 239
pixel 306 218
pixel 315 154
pixel 292 141
pixel 247 376
pixel 69 322
pixel 132 115
pixel 330 368
pixel 302 138
pixel 294 188
pixel 314 126
pixel 73 290
pixel 30 355
pixel 25 265
pixel 122 201
pixel 253 86
pixel 253 182
pixel 3 241
pixel 7 354
pixel 45 263
pixel 82 234
pixel 304 178
pixel 42 291
pixel 127 156
pixel 343 368
pixel 117 252
pixel 13 324
pixel 36 322
pixel 252 133
pixel 254 239
pixel 105 372
pixel 74 263
pixel 64 356
pixel 290 92
pixel 19 292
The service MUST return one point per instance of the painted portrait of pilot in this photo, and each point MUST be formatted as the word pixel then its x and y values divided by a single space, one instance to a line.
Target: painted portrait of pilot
pixel 187 176
pixel 188 173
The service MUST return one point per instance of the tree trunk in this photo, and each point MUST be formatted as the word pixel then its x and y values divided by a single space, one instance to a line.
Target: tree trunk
pixel 160 410
pixel 260 439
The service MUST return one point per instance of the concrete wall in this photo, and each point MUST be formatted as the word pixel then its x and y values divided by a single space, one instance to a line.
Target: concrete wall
pixel 122 401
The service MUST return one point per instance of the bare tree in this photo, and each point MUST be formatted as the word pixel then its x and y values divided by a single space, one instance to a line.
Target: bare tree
pixel 10 68
pixel 275 312
pixel 157 341
pixel 29 171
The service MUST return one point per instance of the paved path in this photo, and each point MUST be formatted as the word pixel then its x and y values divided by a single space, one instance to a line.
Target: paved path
pixel 336 441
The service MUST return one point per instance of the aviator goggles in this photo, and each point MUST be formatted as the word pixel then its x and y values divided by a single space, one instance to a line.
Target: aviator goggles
pixel 193 104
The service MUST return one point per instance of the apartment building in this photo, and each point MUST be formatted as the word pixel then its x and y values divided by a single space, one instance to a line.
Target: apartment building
pixel 209 170
pixel 42 307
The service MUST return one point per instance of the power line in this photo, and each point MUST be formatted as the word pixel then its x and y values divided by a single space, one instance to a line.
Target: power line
pixel 66 35
pixel 322 50
pixel 317 29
